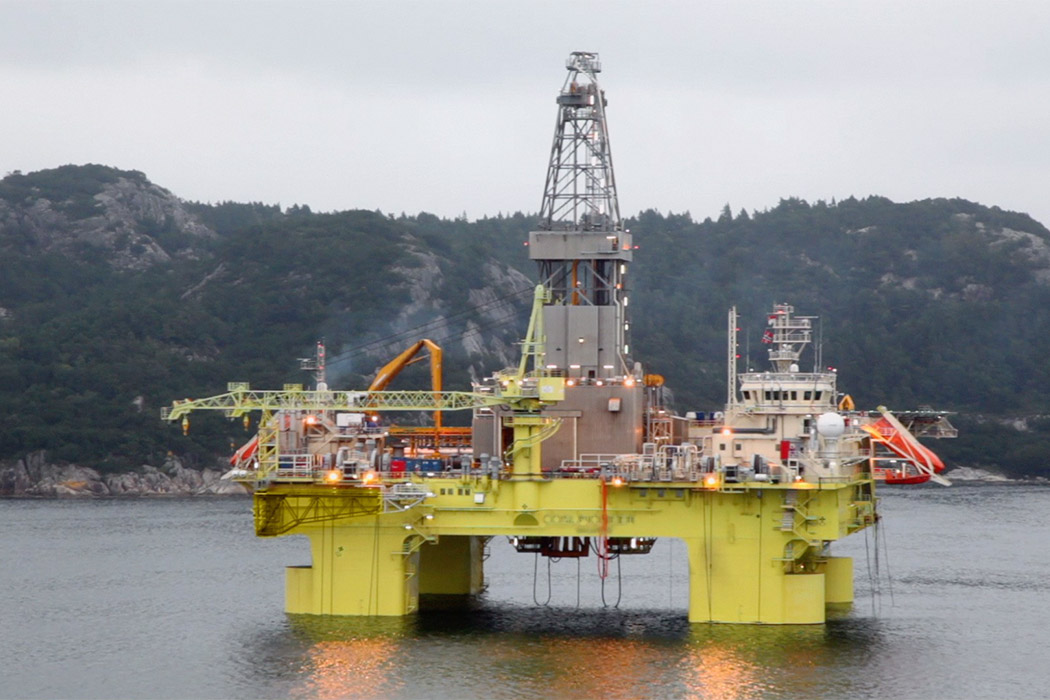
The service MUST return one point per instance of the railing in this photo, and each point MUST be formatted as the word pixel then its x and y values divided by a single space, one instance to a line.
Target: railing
pixel 296 467
pixel 788 377
pixel 659 464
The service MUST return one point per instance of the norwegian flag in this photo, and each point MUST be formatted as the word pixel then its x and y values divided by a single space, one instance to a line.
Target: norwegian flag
pixel 767 337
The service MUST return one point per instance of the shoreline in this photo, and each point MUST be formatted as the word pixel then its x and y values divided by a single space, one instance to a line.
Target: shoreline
pixel 34 476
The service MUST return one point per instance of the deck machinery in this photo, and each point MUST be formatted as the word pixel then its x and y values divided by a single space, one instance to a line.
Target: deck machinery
pixel 573 452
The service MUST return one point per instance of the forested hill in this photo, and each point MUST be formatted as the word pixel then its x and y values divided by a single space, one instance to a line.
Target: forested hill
pixel 117 297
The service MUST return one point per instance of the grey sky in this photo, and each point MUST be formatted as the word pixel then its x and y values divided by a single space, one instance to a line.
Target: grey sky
pixel 449 107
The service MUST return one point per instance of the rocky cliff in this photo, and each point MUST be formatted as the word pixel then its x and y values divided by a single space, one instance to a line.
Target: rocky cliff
pixel 36 476
pixel 134 223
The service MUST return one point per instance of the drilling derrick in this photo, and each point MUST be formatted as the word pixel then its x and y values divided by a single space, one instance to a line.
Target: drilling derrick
pixel 582 248
pixel 583 251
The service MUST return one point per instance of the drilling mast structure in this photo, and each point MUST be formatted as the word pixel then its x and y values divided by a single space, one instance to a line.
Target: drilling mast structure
pixel 583 253
pixel 581 247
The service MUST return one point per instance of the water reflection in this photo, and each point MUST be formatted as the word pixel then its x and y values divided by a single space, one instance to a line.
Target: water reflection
pixel 517 652
pixel 359 667
pixel 741 661
pixel 356 657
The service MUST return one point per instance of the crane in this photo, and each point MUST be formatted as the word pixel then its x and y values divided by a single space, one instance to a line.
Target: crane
pixel 390 370
pixel 525 393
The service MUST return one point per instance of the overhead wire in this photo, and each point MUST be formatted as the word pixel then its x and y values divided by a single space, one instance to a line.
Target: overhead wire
pixel 415 331
pixel 424 329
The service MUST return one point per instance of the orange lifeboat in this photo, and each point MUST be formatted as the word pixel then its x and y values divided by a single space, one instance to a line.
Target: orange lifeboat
pixel 246 452
pixel 919 462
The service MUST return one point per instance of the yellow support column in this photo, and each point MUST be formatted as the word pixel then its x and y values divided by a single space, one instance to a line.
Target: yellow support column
pixel 452 566
pixel 737 567
pixel 526 469
pixel 362 569
pixel 299 590
pixel 803 600
pixel 838 580
pixel 700 596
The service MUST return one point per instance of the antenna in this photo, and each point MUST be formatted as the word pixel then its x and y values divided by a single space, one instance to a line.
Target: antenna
pixel 818 356
pixel 731 359
pixel 787 335
pixel 747 352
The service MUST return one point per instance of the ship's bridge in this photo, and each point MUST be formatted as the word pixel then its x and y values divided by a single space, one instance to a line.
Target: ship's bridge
pixel 808 392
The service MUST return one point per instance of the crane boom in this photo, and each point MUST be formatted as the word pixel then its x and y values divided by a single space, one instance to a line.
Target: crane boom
pixel 390 370
pixel 241 399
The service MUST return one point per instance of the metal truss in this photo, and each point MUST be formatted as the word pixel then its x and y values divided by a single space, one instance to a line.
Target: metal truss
pixel 278 513
pixel 580 192
pixel 241 399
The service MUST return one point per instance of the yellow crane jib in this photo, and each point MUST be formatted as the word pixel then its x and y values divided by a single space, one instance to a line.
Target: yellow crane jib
pixel 528 394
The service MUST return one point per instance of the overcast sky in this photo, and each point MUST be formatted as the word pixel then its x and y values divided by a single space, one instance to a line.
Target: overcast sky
pixel 448 107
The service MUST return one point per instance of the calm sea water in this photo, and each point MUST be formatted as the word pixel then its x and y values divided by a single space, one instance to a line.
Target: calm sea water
pixel 174 599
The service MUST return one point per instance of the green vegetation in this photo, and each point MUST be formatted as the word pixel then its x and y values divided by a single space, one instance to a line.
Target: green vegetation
pixel 939 302
pixel 71 187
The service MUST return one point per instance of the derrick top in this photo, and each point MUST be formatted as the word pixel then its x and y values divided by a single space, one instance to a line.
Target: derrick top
pixel 580 191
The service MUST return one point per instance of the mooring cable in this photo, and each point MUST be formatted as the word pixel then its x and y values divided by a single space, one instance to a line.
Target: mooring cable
pixel 872 586
pixel 535 576
pixel 578 582
pixel 670 574
pixel 886 556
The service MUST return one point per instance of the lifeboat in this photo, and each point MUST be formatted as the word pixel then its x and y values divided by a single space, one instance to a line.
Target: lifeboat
pixel 246 452
pixel 920 463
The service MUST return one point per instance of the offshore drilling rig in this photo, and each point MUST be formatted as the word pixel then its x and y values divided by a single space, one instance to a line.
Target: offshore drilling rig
pixel 572 452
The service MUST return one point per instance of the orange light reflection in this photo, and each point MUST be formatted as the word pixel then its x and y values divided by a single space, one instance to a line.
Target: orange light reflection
pixel 716 671
pixel 355 668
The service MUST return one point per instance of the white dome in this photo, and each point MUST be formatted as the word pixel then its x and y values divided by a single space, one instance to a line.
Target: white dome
pixel 831 425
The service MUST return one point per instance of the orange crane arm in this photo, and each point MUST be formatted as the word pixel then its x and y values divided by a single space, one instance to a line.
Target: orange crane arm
pixel 390 370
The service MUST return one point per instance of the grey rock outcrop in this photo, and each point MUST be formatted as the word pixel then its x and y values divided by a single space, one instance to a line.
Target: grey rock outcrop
pixel 126 217
pixel 35 476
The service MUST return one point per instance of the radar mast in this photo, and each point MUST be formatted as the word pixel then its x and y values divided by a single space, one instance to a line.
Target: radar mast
pixel 788 336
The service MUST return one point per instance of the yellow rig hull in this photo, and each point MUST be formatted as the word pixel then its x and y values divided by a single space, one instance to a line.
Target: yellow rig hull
pixel 757 551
